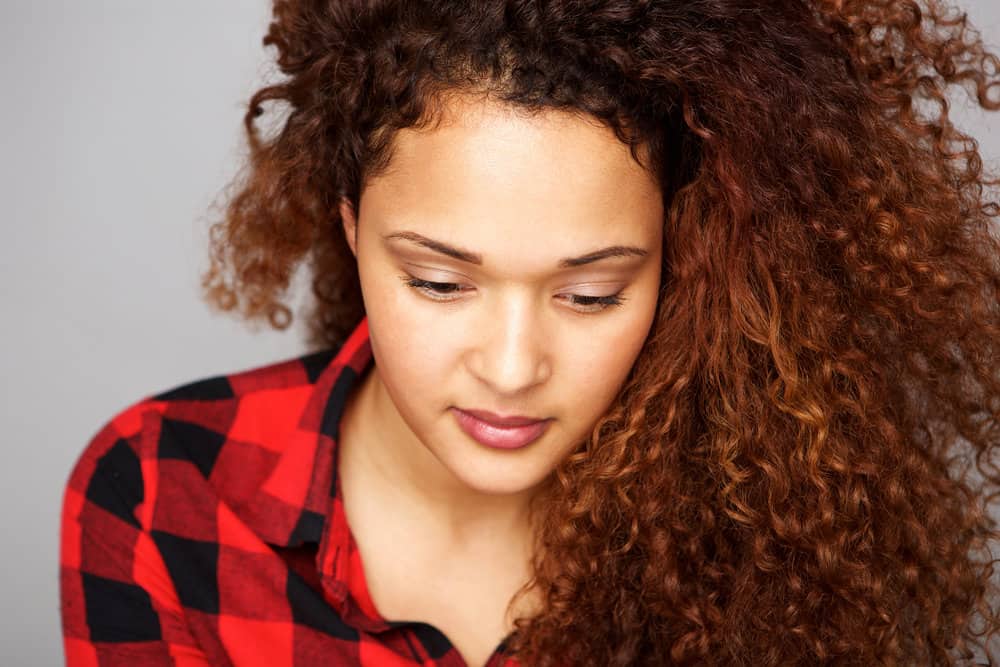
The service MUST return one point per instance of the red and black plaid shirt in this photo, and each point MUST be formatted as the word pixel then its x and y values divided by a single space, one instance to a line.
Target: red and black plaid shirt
pixel 204 526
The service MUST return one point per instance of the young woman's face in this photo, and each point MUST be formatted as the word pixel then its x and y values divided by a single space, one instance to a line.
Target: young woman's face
pixel 514 329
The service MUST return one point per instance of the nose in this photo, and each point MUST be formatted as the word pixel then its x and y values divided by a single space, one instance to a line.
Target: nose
pixel 512 353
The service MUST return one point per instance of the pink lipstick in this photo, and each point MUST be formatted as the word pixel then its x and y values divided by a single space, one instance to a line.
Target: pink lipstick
pixel 500 432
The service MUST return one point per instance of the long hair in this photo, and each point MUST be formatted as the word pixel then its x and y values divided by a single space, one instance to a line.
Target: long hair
pixel 800 465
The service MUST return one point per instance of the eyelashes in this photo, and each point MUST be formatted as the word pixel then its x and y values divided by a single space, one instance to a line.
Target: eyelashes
pixel 441 291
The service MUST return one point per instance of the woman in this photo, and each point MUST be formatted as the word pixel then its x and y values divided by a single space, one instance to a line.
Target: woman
pixel 648 333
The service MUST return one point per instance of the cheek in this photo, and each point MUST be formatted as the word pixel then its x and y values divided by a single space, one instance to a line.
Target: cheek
pixel 411 349
pixel 603 360
pixel 416 364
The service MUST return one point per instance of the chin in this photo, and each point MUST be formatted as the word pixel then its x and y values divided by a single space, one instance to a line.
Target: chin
pixel 489 480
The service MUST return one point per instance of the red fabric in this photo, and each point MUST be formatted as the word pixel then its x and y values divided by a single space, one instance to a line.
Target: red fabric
pixel 204 526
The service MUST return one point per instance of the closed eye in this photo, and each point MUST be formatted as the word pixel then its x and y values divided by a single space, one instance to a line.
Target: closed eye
pixel 441 291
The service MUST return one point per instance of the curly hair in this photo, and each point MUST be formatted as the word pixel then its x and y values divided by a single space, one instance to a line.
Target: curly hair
pixel 799 467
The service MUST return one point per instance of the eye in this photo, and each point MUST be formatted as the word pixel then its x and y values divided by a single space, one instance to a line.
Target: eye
pixel 602 302
pixel 440 292
pixel 432 289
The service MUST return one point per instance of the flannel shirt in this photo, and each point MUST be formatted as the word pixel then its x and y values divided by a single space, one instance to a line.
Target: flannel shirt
pixel 204 526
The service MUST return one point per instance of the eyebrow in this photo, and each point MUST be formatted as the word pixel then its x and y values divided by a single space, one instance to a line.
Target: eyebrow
pixel 475 258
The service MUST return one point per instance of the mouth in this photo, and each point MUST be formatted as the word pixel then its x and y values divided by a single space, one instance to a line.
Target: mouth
pixel 500 432
pixel 502 420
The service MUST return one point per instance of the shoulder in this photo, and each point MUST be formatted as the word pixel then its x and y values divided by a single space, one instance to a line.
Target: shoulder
pixel 191 422
pixel 284 374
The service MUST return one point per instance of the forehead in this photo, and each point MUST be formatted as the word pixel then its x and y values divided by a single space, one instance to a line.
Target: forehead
pixel 488 172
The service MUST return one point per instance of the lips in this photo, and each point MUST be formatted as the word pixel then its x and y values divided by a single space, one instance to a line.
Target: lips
pixel 490 434
pixel 498 420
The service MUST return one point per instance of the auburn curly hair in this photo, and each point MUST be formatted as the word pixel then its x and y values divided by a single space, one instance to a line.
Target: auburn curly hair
pixel 800 465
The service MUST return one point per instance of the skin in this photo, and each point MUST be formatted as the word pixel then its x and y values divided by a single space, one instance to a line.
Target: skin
pixel 522 192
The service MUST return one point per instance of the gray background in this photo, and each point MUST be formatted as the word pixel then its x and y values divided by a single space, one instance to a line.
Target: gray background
pixel 120 126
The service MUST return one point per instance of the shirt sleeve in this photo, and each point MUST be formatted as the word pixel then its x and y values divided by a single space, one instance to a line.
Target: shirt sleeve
pixel 118 605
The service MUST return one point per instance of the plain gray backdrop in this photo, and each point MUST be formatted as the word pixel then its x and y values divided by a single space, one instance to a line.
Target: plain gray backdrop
pixel 120 126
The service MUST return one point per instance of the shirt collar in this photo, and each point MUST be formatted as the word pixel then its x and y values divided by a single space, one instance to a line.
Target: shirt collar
pixel 302 494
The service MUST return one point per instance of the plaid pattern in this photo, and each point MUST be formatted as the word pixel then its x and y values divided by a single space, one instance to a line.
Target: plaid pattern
pixel 204 526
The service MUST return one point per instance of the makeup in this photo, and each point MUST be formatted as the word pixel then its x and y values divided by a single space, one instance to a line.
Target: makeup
pixel 516 434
